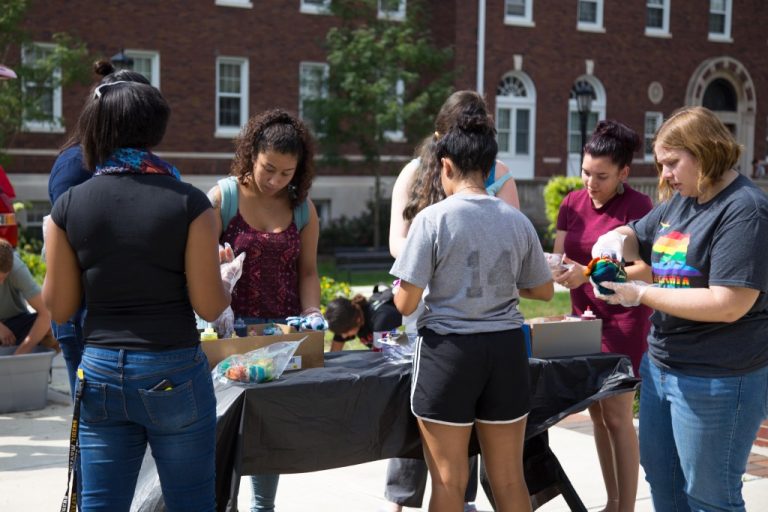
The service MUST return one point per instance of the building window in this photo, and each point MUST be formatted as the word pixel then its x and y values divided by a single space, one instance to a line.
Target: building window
pixel 313 85
pixel 393 130
pixel 392 9
pixel 596 113
pixel 44 115
pixel 518 12
pixel 315 6
pixel 513 121
pixel 235 3
pixel 657 17
pixel 146 63
pixel 231 95
pixel 720 20
pixel 652 122
pixel 590 15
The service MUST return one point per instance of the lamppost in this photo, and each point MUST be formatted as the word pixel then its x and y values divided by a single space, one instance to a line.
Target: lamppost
pixel 583 92
pixel 121 61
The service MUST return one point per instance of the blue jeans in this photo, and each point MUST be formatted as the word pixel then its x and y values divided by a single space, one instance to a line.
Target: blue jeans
pixel 70 338
pixel 696 434
pixel 121 413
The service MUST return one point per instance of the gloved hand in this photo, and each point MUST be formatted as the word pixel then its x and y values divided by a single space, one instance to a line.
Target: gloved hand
pixel 231 271
pixel 627 294
pixel 225 324
pixel 311 319
pixel 226 254
pixel 610 244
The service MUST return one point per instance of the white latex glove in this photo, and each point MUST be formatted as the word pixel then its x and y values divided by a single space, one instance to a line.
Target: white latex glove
pixel 231 271
pixel 226 254
pixel 610 244
pixel 225 324
pixel 627 294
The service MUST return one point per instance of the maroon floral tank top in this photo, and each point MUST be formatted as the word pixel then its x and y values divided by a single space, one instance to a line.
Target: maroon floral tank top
pixel 269 286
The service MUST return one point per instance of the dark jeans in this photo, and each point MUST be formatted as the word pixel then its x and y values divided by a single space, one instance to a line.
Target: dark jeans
pixel 407 480
pixel 20 325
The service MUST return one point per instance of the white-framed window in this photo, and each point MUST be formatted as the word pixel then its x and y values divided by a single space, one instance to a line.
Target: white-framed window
pixel 590 15
pixel 315 6
pixel 652 122
pixel 515 123
pixel 313 85
pixel 720 20
pixel 46 115
pixel 595 114
pixel 518 12
pixel 394 131
pixel 245 4
pixel 231 95
pixel 392 9
pixel 657 17
pixel 147 63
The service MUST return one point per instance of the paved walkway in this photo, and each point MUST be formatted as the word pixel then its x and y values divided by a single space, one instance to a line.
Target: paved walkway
pixel 33 455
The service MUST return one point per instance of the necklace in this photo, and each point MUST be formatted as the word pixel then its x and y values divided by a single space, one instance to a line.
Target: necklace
pixel 471 187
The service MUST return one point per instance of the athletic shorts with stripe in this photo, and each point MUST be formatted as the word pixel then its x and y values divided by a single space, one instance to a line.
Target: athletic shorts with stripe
pixel 462 378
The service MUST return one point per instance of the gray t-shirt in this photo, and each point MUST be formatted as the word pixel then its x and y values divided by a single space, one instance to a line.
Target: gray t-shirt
pixel 722 243
pixel 17 288
pixel 474 253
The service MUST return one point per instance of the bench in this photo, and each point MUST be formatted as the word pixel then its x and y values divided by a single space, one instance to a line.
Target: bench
pixel 350 259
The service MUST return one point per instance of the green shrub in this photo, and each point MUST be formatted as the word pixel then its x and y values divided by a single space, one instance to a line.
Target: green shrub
pixel 330 289
pixel 34 262
pixel 554 192
pixel 355 231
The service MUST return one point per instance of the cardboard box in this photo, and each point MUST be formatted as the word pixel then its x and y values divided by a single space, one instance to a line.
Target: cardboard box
pixel 563 336
pixel 24 379
pixel 308 355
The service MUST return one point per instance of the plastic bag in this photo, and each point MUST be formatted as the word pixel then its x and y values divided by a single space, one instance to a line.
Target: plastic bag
pixel 397 346
pixel 261 365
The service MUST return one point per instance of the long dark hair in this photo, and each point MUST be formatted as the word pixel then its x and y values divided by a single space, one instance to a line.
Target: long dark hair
pixel 342 313
pixel 108 75
pixel 276 130
pixel 426 188
pixel 122 115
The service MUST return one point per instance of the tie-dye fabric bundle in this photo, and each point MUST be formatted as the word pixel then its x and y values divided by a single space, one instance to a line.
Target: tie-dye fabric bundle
pixel 605 269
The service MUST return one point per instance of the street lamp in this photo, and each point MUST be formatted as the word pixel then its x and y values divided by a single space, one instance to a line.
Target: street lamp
pixel 121 61
pixel 583 92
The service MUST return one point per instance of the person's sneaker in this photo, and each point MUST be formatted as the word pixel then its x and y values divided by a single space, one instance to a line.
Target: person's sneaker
pixel 470 507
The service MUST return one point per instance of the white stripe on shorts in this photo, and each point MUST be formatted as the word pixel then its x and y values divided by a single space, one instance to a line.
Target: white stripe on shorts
pixel 502 422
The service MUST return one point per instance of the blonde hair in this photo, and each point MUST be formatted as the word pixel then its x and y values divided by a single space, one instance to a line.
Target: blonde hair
pixel 699 132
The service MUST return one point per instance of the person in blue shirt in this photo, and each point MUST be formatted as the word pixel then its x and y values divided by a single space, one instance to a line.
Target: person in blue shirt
pixel 69 170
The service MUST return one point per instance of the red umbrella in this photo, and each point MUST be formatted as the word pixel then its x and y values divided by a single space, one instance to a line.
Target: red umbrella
pixel 6 73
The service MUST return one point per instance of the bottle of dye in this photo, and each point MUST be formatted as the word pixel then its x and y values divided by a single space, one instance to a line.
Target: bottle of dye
pixel 588 314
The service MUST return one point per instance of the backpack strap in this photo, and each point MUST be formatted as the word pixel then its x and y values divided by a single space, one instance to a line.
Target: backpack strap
pixel 300 214
pixel 228 189
pixel 495 187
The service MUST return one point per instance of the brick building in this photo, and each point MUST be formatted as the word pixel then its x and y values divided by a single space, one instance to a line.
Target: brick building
pixel 219 61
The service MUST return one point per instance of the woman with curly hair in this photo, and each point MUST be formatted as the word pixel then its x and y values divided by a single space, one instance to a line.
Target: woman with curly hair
pixel 276 225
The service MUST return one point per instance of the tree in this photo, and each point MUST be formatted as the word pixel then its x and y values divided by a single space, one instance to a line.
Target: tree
pixel 27 98
pixel 386 81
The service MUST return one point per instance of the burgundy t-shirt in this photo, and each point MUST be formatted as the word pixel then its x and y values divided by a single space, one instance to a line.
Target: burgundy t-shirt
pixel 624 329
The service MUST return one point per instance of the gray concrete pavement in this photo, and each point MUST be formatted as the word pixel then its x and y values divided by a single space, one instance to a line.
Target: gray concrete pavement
pixel 33 455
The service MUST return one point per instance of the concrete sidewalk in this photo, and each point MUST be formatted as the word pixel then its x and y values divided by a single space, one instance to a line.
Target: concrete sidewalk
pixel 33 457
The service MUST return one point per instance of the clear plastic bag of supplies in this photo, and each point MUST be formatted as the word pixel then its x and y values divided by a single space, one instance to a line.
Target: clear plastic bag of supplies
pixel 396 346
pixel 261 365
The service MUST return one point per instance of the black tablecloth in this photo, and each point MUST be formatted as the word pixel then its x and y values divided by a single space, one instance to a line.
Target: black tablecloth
pixel 356 409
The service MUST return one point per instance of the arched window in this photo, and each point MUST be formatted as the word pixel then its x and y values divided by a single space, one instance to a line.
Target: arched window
pixel 720 95
pixel 515 122
pixel 596 113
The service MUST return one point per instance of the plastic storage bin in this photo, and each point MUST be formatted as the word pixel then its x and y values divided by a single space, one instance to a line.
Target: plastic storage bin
pixel 24 379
